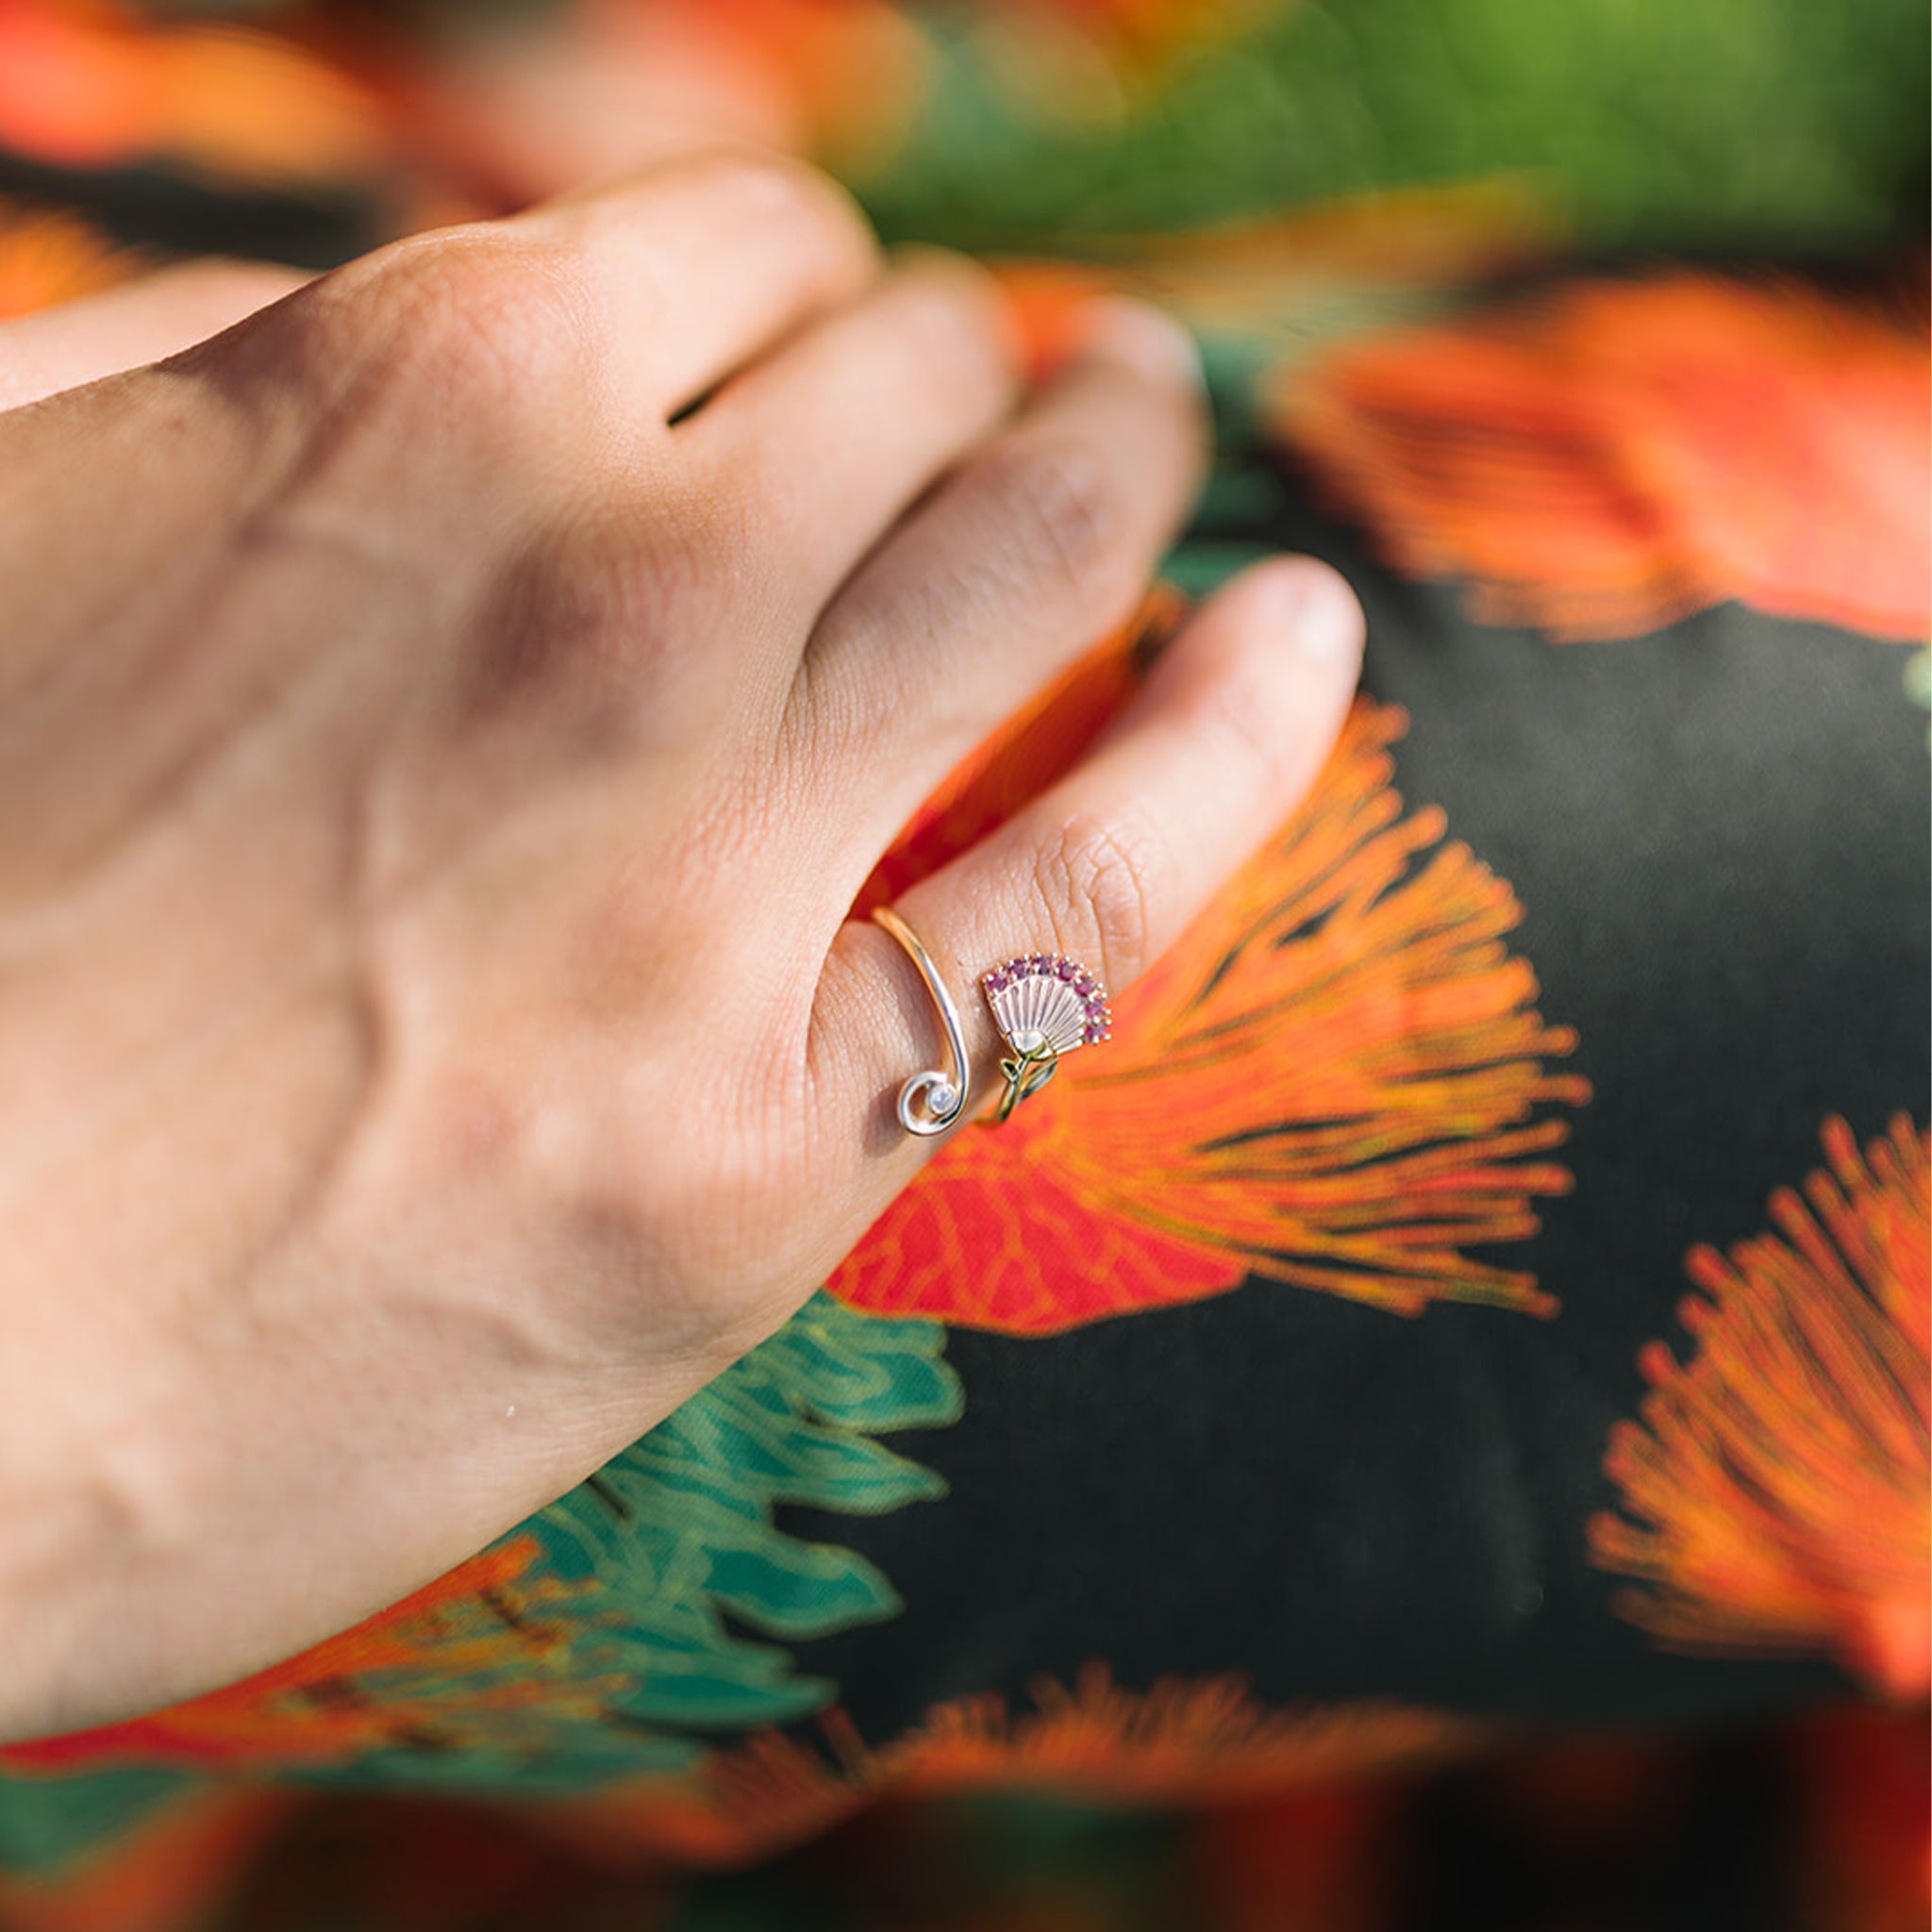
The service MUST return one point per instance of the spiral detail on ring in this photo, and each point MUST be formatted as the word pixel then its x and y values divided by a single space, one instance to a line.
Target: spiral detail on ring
pixel 930 1101
pixel 940 1097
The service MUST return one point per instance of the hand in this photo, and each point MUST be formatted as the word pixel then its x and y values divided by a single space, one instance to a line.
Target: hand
pixel 436 761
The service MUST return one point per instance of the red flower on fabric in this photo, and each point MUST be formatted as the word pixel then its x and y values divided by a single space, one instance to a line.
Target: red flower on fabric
pixel 1334 1082
pixel 1775 1492
pixel 1605 460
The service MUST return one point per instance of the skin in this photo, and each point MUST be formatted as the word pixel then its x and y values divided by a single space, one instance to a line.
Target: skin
pixel 437 761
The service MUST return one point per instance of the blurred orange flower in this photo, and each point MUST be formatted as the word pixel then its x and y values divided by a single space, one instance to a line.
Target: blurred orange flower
pixel 1332 1082
pixel 90 84
pixel 1088 61
pixel 1200 1740
pixel 49 257
pixel 513 106
pixel 1605 460
pixel 1777 1490
pixel 1155 23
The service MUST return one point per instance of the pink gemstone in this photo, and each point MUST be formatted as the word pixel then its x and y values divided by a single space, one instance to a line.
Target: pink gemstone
pixel 996 982
pixel 1066 968
pixel 1083 983
pixel 1093 1034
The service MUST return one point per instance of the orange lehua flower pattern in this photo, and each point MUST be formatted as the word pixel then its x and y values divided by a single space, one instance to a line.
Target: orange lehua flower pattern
pixel 1333 1082
pixel 1775 1493
pixel 1199 1739
pixel 1606 460
pixel 477 1637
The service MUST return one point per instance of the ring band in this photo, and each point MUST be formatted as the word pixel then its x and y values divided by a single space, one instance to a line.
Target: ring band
pixel 931 1101
pixel 1044 1005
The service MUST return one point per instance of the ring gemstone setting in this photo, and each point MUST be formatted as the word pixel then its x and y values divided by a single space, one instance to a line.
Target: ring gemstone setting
pixel 1045 1006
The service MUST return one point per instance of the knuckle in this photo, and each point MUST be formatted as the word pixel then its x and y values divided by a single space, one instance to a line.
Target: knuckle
pixel 785 191
pixel 773 203
pixel 474 332
pixel 951 315
pixel 762 178
pixel 1100 877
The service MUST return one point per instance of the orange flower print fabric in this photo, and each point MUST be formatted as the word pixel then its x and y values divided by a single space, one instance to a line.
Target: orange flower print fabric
pixel 1603 459
pixel 1775 1493
pixel 1191 1740
pixel 1337 1081
pixel 1566 955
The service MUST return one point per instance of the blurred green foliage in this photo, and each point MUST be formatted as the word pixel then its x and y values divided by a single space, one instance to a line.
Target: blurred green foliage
pixel 1646 123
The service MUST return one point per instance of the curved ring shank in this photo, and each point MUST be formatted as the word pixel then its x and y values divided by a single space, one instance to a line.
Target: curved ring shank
pixel 931 1101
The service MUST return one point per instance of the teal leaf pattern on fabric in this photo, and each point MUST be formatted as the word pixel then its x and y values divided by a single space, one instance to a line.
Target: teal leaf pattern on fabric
pixel 678 1529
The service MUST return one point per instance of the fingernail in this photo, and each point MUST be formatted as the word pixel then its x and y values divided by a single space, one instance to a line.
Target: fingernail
pixel 1320 613
pixel 1143 337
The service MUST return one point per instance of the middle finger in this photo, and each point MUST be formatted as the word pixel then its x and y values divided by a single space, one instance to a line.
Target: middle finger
pixel 818 449
pixel 1039 542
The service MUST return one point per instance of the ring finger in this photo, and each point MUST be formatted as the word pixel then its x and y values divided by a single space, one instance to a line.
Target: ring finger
pixel 1110 865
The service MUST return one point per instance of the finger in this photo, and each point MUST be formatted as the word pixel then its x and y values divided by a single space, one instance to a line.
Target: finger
pixel 1040 541
pixel 1109 866
pixel 139 322
pixel 827 441
pixel 705 262
pixel 509 378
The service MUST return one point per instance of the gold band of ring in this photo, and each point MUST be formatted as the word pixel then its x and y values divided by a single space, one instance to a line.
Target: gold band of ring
pixel 931 1101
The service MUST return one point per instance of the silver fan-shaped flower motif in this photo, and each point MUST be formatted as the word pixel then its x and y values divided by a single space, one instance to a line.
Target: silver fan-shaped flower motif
pixel 1044 1005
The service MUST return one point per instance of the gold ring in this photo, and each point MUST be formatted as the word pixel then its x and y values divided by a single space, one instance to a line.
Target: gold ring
pixel 1045 1007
